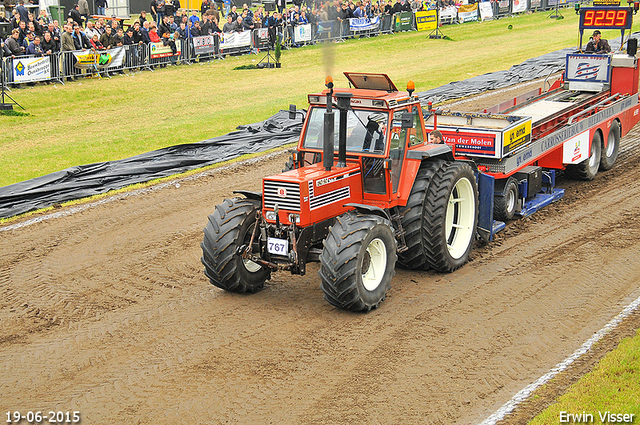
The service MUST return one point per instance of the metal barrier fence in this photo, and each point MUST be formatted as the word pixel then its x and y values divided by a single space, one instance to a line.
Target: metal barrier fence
pixel 337 31
pixel 65 66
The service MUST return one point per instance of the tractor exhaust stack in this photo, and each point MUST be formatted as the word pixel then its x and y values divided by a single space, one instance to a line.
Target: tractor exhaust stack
pixel 329 119
pixel 344 102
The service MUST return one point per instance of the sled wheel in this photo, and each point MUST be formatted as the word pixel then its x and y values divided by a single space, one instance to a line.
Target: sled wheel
pixel 451 216
pixel 587 169
pixel 610 153
pixel 415 257
pixel 358 262
pixel 504 205
pixel 231 226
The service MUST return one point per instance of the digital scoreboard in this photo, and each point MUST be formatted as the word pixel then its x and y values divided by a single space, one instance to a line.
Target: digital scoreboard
pixel 606 17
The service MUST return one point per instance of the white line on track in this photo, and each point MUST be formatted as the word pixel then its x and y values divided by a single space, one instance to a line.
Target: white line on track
pixel 526 392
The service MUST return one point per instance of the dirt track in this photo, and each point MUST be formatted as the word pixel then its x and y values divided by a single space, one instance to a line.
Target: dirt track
pixel 107 312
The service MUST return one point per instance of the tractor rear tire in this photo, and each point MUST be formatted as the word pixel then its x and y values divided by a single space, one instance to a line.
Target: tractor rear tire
pixel 587 169
pixel 610 153
pixel 450 217
pixel 504 205
pixel 230 227
pixel 289 165
pixel 415 257
pixel 358 262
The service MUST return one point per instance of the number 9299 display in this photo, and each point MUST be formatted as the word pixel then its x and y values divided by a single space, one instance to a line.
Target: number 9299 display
pixel 605 18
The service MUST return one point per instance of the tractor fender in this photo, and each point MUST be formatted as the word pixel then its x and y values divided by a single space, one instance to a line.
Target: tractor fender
pixel 431 151
pixel 256 196
pixel 370 209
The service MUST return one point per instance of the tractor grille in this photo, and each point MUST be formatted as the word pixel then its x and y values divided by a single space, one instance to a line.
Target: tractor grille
pixel 286 195
pixel 329 198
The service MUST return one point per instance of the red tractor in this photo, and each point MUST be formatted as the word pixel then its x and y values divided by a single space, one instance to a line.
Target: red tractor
pixel 367 189
pixel 362 191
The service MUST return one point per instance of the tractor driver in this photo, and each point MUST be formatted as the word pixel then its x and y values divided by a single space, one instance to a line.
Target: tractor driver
pixel 435 137
pixel 597 44
pixel 375 134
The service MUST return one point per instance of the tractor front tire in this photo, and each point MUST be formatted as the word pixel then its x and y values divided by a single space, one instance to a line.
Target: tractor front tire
pixel 587 169
pixel 610 153
pixel 358 262
pixel 415 257
pixel 450 217
pixel 230 227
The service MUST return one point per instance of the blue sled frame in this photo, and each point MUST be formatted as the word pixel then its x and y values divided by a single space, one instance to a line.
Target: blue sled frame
pixel 487 226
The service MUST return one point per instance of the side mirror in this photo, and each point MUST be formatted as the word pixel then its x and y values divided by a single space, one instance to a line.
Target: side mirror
pixel 407 120
pixel 292 112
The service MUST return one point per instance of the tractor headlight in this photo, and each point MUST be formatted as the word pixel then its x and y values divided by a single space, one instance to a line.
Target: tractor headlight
pixel 270 215
pixel 294 218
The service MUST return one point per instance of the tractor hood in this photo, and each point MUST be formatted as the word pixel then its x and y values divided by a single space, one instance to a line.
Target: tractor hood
pixel 311 194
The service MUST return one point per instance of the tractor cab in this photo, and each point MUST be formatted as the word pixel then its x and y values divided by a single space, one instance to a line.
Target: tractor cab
pixel 378 124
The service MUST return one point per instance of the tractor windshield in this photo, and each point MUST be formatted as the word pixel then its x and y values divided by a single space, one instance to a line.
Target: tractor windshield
pixel 366 130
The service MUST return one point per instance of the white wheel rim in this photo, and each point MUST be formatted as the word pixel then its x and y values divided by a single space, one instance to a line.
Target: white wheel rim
pixel 251 266
pixel 460 217
pixel 594 160
pixel 511 201
pixel 611 144
pixel 377 264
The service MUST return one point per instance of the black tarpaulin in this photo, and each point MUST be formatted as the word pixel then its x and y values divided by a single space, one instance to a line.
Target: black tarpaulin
pixel 87 180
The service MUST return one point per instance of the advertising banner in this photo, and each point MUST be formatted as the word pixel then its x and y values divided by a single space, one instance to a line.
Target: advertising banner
pixel 159 50
pixel 31 69
pixel 504 7
pixel 365 24
pixel 325 27
pixel 535 4
pixel 576 149
pixel 472 143
pixel 519 6
pixel 88 59
pixel 427 20
pixel 261 38
pixel 232 40
pixel 606 2
pixel 468 13
pixel 486 11
pixel 518 136
pixel 302 33
pixel 403 21
pixel 591 68
pixel 204 45
pixel 448 14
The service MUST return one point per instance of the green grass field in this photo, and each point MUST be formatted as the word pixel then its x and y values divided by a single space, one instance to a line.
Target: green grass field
pixel 611 387
pixel 107 119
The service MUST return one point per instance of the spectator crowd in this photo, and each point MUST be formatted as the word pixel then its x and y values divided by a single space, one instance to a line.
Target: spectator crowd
pixel 167 22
